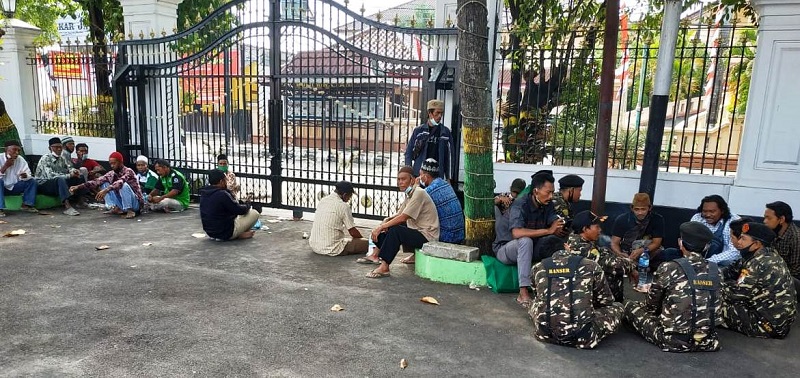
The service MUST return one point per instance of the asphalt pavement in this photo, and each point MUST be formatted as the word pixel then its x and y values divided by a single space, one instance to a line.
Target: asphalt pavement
pixel 161 302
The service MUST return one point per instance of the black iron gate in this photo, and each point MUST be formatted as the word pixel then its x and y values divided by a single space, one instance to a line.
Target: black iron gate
pixel 298 94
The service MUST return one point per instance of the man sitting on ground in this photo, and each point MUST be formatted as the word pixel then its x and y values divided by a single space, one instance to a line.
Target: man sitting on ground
pixel 332 218
pixel 90 169
pixel 146 177
pixel 758 295
pixel 639 230
pixel 531 218
pixel 584 241
pixel 715 214
pixel 574 305
pixel 503 201
pixel 451 217
pixel 68 145
pixel 683 303
pixel 171 192
pixel 569 192
pixel 223 218
pixel 119 188
pixel 778 217
pixel 415 224
pixel 16 178
pixel 230 177
pixel 55 175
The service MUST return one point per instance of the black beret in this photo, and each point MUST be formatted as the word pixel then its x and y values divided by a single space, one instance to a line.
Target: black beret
pixel 760 232
pixel 542 172
pixel 695 236
pixel 585 218
pixel 571 181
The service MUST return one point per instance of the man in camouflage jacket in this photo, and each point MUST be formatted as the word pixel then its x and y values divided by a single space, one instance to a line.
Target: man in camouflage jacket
pixel 573 304
pixel 584 242
pixel 758 295
pixel 681 312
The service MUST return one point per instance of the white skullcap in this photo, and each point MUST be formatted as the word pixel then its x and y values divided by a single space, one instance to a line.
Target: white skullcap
pixel 142 158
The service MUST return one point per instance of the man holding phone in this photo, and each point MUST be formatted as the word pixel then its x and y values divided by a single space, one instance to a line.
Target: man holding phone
pixel 16 178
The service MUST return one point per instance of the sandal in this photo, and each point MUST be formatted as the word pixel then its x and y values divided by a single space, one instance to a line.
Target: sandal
pixel 408 260
pixel 376 274
pixel 364 260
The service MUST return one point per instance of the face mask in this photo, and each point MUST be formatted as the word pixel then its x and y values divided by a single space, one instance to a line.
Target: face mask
pixel 746 253
pixel 409 190
pixel 223 168
pixel 56 155
pixel 433 121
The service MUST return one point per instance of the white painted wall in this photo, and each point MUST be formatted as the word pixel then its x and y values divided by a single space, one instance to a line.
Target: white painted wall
pixel 673 189
pixel 99 148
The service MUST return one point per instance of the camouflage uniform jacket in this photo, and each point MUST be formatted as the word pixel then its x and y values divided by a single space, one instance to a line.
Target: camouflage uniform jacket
pixel 562 207
pixel 765 286
pixel 670 298
pixel 590 292
pixel 610 262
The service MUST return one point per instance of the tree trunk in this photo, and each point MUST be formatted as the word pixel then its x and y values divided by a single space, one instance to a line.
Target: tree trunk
pixel 476 112
pixel 97 26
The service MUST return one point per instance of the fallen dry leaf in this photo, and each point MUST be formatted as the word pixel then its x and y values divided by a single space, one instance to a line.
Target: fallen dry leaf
pixel 3 222
pixel 15 233
pixel 147 244
pixel 44 213
pixel 273 221
pixel 403 363
pixel 430 300
pixel 199 235
pixel 337 308
pixel 101 247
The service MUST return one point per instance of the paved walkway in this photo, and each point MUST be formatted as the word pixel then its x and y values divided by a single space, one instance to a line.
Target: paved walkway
pixel 186 306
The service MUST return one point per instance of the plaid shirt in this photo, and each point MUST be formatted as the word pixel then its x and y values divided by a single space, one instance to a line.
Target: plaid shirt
pixel 116 179
pixel 788 247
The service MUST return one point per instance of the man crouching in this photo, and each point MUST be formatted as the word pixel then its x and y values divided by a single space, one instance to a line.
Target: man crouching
pixel 223 218
pixel 573 305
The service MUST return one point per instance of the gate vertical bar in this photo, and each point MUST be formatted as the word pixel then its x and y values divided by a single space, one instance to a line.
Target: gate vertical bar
pixel 275 105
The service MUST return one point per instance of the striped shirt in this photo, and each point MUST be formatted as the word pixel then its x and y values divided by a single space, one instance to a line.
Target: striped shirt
pixel 451 217
pixel 729 252
pixel 332 219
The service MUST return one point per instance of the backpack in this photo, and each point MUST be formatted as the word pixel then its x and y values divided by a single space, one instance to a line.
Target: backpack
pixel 706 282
pixel 560 272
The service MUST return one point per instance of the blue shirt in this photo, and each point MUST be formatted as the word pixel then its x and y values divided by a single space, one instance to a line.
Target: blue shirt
pixel 451 217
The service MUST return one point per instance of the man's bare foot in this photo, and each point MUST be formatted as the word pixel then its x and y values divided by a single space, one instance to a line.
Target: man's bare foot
pixel 246 235
pixel 130 215
pixel 408 260
pixel 524 299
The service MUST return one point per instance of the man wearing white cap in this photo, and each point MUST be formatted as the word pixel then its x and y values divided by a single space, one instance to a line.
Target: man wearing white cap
pixel 147 178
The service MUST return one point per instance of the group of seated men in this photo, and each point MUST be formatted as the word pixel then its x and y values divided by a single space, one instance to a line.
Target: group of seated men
pixel 430 212
pixel 74 181
pixel 726 271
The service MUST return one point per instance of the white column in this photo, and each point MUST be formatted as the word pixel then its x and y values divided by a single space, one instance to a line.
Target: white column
pixel 16 77
pixel 769 163
pixel 144 18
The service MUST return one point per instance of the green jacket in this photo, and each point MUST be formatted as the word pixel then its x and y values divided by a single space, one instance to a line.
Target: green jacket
pixel 175 178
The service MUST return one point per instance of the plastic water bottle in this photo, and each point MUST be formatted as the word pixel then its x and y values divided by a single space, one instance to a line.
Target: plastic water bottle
pixel 370 247
pixel 644 268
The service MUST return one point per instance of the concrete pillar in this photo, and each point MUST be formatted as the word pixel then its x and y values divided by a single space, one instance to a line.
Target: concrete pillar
pixel 144 19
pixel 16 77
pixel 770 152
pixel 144 16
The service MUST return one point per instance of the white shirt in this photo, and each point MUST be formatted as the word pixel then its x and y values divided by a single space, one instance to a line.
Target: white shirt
pixel 332 218
pixel 11 175
pixel 729 252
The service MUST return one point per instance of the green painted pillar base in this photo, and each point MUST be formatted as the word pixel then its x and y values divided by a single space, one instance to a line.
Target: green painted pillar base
pixel 449 271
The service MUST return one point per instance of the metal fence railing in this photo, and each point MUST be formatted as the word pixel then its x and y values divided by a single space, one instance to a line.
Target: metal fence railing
pixel 72 89
pixel 553 118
